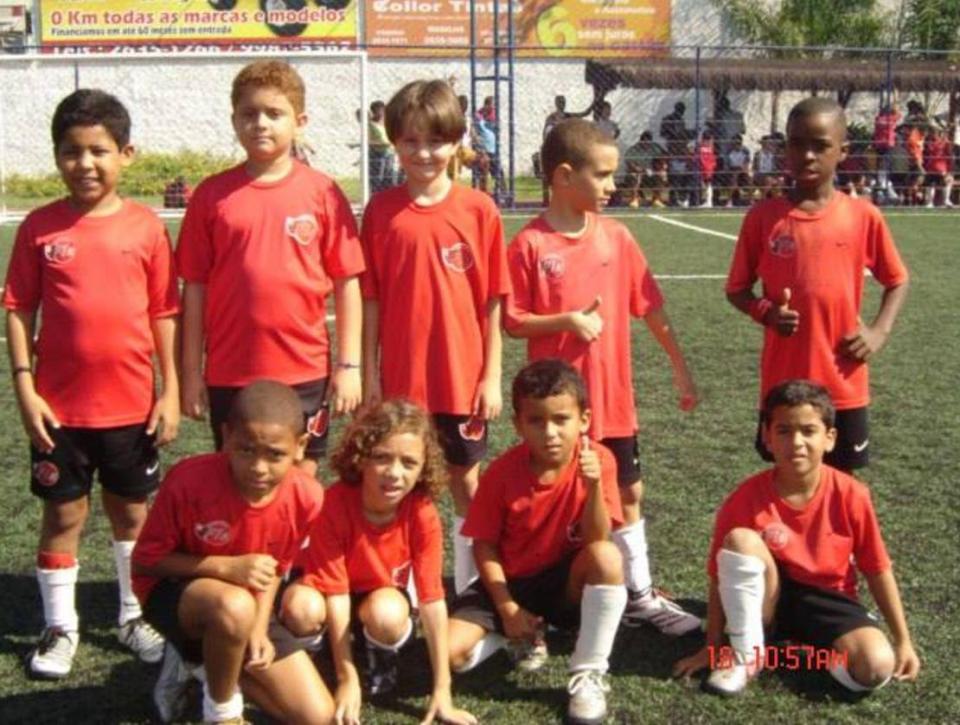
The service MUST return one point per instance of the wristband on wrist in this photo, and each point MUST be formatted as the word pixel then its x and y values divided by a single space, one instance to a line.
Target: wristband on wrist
pixel 21 369
pixel 348 365
pixel 759 308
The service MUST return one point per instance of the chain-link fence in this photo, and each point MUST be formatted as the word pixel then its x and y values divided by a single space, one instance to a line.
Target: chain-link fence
pixel 695 125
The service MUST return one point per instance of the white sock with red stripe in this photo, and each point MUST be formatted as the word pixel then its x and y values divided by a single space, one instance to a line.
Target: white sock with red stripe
pixel 464 567
pixel 631 540
pixel 58 589
pixel 601 606
pixel 741 585
pixel 129 604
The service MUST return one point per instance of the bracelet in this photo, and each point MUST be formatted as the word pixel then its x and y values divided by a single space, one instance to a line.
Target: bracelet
pixel 21 369
pixel 759 308
pixel 348 366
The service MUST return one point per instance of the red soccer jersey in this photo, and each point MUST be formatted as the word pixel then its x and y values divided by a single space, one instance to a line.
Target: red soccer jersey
pixel 939 156
pixel 553 273
pixel 821 258
pixel 433 271
pixel 817 544
pixel 199 511
pixel 885 129
pixel 347 553
pixel 99 283
pixel 268 254
pixel 534 525
pixel 706 160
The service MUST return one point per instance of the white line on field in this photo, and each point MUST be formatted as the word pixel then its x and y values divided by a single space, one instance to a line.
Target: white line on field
pixel 693 227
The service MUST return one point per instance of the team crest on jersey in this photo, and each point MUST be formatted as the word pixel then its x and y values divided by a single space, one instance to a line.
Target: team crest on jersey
pixel 473 429
pixel 400 574
pixel 776 536
pixel 302 228
pixel 573 533
pixel 319 422
pixel 59 251
pixel 457 257
pixel 214 533
pixel 783 246
pixel 46 473
pixel 553 266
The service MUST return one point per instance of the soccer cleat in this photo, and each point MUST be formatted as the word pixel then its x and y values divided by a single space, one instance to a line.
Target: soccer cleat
pixel 658 610
pixel 381 670
pixel 53 657
pixel 170 692
pixel 142 639
pixel 733 678
pixel 528 656
pixel 588 698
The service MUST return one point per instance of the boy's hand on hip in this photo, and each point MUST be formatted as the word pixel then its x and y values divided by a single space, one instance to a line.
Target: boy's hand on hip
pixel 587 324
pixel 782 317
pixel 193 396
pixel 862 342
pixel 345 391
pixel 252 570
pixel 37 415
pixel 588 463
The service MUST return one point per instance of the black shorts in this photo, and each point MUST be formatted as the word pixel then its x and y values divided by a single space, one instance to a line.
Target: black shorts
pixel 935 179
pixel 125 459
pixel 543 594
pixel 816 616
pixel 316 413
pixel 626 451
pixel 463 438
pixel 852 449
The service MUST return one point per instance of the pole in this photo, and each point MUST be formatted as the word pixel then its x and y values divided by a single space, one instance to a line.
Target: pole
pixel 364 133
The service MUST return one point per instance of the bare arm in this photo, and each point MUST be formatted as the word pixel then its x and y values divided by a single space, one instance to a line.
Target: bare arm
pixel 867 340
pixel 659 325
pixel 433 616
pixel 595 519
pixel 518 623
pixel 345 393
pixel 715 623
pixel 193 399
pixel 261 651
pixel 883 588
pixel 165 416
pixel 35 413
pixel 347 694
pixel 488 398
pixel 256 571
pixel 371 351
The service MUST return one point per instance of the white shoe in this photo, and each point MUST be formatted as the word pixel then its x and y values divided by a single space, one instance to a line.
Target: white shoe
pixel 657 609
pixel 142 639
pixel 170 692
pixel 949 204
pixel 528 656
pixel 588 697
pixel 734 678
pixel 928 205
pixel 53 657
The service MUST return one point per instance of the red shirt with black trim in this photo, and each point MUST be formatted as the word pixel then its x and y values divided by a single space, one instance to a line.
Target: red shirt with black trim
pixel 534 525
pixel 433 270
pixel 817 544
pixel 268 254
pixel 938 155
pixel 821 257
pixel 99 282
pixel 348 554
pixel 553 273
pixel 199 511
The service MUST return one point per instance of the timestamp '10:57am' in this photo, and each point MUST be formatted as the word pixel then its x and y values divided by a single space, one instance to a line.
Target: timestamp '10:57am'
pixel 788 657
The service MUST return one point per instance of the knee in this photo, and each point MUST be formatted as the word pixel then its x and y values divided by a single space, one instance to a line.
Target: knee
pixel 604 563
pixel 63 517
pixel 386 615
pixel 743 541
pixel 303 610
pixel 873 667
pixel 234 613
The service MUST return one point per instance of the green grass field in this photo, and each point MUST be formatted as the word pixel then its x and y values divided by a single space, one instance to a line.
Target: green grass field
pixel 691 462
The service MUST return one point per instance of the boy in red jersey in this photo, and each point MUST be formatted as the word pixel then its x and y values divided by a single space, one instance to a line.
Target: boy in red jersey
pixel 436 273
pixel 578 277
pixel 541 522
pixel 261 246
pixel 782 558
pixel 938 162
pixel 100 270
pixel 810 249
pixel 378 528
pixel 224 529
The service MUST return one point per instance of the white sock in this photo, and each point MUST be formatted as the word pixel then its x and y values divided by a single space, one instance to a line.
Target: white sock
pixel 464 567
pixel 631 540
pixel 221 711
pixel 741 585
pixel 489 645
pixel 129 604
pixel 58 589
pixel 391 647
pixel 601 606
pixel 947 193
pixel 842 675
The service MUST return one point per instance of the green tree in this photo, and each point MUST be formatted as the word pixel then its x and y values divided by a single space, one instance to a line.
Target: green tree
pixel 929 25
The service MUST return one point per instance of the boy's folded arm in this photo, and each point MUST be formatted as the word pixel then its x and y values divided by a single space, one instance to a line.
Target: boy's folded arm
pixel 256 571
pixel 491 573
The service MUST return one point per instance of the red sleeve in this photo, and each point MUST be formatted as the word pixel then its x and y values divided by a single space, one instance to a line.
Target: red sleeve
pixel 326 561
pixel 162 277
pixel 869 550
pixel 746 255
pixel 22 288
pixel 160 535
pixel 426 543
pixel 645 295
pixel 485 518
pixel 369 283
pixel 883 259
pixel 498 275
pixel 611 490
pixel 340 246
pixel 522 275
pixel 308 504
pixel 195 244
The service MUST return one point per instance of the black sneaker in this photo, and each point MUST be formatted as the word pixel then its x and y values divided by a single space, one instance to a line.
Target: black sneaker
pixel 381 670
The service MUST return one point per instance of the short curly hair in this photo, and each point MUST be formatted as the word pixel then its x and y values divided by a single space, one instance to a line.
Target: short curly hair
pixel 373 425
pixel 276 74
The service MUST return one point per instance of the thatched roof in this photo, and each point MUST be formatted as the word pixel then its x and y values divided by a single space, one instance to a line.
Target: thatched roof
pixel 776 74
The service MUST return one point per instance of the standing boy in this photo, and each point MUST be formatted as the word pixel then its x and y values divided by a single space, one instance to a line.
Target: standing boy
pixel 578 277
pixel 261 246
pixel 436 272
pixel 100 270
pixel 541 522
pixel 810 249
pixel 782 558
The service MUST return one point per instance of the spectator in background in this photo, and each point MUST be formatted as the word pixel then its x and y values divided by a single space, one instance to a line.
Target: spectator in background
pixel 646 178
pixel 852 171
pixel 705 157
pixel 465 155
pixel 915 134
pixel 898 159
pixel 176 194
pixel 938 162
pixel 606 122
pixel 679 166
pixel 768 167
pixel 484 138
pixel 672 126
pixel 884 139
pixel 380 150
pixel 558 114
pixel 725 125
pixel 736 177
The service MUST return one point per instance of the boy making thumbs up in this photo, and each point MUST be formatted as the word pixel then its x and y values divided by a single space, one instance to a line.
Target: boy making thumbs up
pixel 809 250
